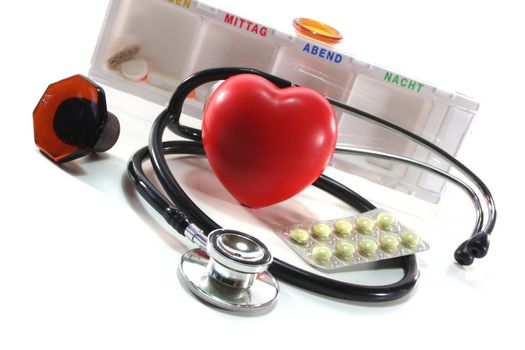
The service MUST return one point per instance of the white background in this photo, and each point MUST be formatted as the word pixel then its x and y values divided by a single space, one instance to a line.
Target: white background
pixel 79 269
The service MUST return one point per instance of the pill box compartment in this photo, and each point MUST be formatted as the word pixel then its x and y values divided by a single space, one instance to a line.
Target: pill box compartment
pixel 432 118
pixel 331 80
pixel 165 35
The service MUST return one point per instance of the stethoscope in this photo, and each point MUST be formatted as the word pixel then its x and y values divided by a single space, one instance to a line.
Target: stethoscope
pixel 235 271
pixel 193 222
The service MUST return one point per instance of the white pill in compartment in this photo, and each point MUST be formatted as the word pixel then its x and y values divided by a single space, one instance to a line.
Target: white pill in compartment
pixel 135 69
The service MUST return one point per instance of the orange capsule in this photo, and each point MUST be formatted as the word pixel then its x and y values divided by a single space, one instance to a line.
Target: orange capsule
pixel 317 30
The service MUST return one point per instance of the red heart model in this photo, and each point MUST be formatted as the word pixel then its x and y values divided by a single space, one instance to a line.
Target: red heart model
pixel 266 144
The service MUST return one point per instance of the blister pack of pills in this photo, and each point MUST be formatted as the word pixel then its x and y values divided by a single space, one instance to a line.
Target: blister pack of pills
pixel 333 245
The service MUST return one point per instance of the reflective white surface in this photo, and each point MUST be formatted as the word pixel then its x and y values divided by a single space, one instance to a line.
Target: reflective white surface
pixel 85 265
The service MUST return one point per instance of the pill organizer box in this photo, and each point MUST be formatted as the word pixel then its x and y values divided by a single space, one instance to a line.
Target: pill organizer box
pixel 179 37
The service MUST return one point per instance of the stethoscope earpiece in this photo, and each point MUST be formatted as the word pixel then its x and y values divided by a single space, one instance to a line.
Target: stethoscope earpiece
pixel 462 255
pixel 474 248
pixel 232 273
pixel 71 120
pixel 478 245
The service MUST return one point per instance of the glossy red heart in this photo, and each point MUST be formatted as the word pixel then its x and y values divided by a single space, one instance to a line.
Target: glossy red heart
pixel 266 144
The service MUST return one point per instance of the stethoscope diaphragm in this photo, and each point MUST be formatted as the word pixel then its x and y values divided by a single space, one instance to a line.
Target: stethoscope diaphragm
pixel 232 274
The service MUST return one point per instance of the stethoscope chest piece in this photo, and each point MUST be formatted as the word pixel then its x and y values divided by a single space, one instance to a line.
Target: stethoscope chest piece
pixel 232 274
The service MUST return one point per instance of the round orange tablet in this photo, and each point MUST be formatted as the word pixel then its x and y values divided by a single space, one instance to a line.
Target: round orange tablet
pixel 317 30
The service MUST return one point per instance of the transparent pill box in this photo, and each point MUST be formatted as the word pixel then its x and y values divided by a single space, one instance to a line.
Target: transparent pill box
pixel 336 245
pixel 175 38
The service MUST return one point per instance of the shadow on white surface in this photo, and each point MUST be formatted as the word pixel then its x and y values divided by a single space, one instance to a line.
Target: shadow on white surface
pixel 202 179
pixel 470 276
pixel 108 174
pixel 138 206
pixel 336 303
